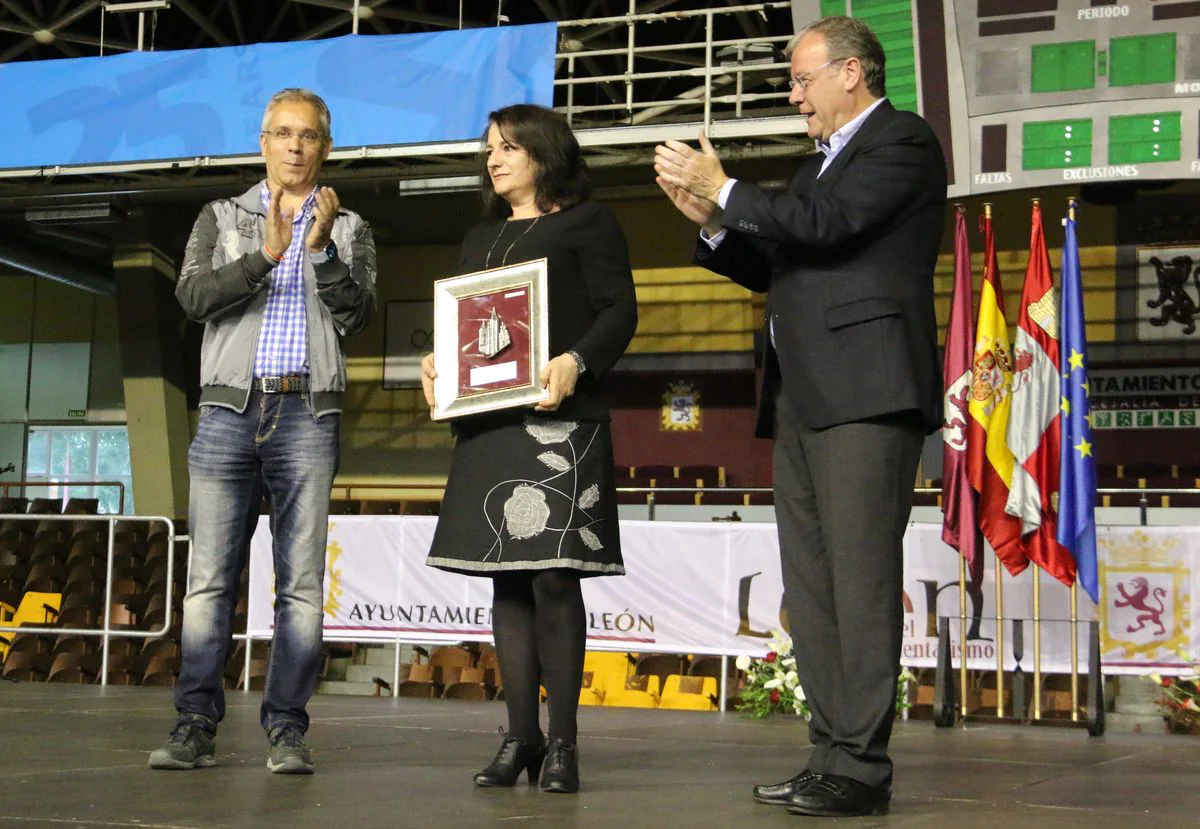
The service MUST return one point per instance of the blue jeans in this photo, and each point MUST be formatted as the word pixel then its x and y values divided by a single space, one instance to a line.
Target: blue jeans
pixel 278 446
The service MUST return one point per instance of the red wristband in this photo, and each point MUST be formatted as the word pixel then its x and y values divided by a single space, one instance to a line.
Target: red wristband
pixel 271 255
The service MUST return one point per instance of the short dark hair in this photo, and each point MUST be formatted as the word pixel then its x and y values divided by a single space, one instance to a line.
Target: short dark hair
pixel 846 37
pixel 560 173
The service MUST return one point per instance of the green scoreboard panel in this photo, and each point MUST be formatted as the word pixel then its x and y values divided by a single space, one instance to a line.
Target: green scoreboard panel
pixel 1035 93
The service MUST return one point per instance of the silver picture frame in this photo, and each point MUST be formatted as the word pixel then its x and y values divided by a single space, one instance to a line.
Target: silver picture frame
pixel 491 339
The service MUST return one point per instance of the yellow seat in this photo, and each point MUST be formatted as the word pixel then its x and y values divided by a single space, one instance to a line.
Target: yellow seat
pixel 635 692
pixel 691 693
pixel 592 690
pixel 608 668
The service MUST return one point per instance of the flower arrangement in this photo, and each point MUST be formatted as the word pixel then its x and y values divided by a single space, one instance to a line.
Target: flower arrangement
pixel 1180 700
pixel 773 687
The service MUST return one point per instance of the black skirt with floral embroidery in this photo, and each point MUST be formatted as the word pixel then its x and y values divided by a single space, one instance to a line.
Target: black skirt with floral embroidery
pixel 530 494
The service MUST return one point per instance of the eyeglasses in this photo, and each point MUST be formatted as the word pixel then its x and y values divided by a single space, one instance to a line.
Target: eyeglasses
pixel 807 78
pixel 285 134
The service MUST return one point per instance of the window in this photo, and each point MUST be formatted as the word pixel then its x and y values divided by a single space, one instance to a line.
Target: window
pixel 63 455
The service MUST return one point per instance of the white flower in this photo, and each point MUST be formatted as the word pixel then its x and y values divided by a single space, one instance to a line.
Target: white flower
pixel 549 431
pixel 791 679
pixel 743 663
pixel 773 683
pixel 799 692
pixel 526 512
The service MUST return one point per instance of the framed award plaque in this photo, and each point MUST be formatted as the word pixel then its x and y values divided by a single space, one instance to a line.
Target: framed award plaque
pixel 491 339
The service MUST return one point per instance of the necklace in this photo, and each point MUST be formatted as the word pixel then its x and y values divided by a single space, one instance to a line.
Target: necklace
pixel 488 261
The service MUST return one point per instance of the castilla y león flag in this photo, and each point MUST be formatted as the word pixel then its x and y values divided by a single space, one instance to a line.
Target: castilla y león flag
pixel 1033 425
pixel 989 460
pixel 960 527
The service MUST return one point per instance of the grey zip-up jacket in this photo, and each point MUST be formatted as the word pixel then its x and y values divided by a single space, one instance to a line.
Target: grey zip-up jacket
pixel 223 284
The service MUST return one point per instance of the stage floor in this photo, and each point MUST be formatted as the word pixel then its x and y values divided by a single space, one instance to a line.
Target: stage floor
pixel 76 755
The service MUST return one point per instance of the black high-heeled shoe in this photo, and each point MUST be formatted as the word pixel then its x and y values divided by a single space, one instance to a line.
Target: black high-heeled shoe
pixel 560 771
pixel 515 756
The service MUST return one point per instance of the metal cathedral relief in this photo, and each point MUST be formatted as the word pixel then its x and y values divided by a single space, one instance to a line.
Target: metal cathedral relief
pixel 493 336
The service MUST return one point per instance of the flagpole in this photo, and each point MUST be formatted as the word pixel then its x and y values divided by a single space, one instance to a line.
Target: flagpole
pixel 1037 643
pixel 987 217
pixel 1074 587
pixel 1037 619
pixel 962 596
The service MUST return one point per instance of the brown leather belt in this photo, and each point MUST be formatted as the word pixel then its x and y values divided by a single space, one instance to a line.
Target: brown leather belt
pixel 289 384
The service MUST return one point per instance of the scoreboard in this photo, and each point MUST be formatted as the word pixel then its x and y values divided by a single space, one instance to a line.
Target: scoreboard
pixel 1035 93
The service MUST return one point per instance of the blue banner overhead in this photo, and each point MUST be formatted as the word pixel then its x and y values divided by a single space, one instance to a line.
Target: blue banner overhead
pixel 381 90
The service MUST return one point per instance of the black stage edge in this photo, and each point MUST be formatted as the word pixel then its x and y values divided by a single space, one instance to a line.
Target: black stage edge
pixel 76 756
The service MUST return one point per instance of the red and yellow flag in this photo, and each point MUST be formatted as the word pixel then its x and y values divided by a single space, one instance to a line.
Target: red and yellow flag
pixel 1033 423
pixel 989 460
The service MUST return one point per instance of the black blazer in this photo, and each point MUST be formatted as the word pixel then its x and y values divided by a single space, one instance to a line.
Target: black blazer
pixel 847 260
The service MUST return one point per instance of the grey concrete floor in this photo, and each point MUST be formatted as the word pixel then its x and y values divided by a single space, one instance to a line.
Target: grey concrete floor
pixel 76 756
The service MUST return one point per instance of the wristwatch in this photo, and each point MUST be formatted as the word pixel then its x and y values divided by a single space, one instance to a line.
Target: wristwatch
pixel 579 364
pixel 327 255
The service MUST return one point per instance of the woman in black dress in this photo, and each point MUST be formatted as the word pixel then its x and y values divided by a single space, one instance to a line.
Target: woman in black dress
pixel 530 499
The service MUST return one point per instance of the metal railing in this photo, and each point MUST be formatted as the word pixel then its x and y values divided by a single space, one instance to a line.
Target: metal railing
pixel 710 73
pixel 106 632
pixel 5 486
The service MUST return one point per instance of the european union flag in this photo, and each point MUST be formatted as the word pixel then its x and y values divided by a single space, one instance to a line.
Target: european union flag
pixel 1077 472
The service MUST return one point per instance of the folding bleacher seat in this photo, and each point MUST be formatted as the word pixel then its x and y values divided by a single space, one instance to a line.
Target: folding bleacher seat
pixel 381 507
pixel 77 668
pixel 419 682
pixel 31 666
pixel 705 475
pixel 162 669
pixel 663 474
pixel 661 665
pixel 691 693
pixel 469 685
pixel 638 481
pixel 1146 469
pixel 635 692
pixel 611 668
pixel 125 669
pixel 13 505
pixel 711 666
pixel 82 506
pixel 45 506
pixel 590 691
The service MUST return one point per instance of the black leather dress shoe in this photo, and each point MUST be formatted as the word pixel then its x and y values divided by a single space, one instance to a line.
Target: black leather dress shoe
pixel 832 795
pixel 780 794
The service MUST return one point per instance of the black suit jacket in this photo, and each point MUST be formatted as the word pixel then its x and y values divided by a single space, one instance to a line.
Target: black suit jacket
pixel 847 259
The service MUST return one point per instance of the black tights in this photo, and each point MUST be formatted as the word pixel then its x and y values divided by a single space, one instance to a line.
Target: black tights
pixel 539 624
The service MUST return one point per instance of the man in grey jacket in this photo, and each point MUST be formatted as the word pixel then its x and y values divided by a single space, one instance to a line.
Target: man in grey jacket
pixel 278 276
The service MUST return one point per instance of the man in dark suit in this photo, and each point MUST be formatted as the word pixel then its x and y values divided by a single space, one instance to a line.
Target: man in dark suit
pixel 852 383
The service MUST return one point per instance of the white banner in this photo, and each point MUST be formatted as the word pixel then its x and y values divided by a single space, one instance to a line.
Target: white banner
pixel 716 588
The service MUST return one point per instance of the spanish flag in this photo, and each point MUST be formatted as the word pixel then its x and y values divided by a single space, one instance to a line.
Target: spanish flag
pixel 989 459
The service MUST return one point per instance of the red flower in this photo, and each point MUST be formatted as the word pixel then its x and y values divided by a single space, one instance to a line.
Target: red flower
pixel 774 695
pixel 771 657
pixel 1166 680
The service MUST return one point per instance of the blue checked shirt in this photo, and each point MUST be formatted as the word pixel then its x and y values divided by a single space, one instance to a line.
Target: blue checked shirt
pixel 283 339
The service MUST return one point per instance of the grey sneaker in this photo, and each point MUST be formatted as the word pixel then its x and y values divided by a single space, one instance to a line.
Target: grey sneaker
pixel 288 754
pixel 191 745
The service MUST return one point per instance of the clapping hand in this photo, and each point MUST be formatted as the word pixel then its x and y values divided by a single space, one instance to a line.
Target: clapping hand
pixel 324 212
